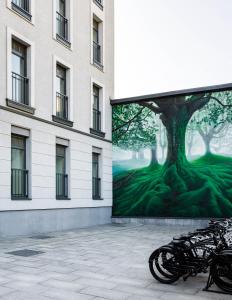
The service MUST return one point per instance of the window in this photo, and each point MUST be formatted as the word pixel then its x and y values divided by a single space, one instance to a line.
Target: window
pixel 61 176
pixel 96 109
pixel 62 24
pixel 22 7
pixel 19 173
pixel 20 82
pixel 96 180
pixel 97 51
pixel 61 97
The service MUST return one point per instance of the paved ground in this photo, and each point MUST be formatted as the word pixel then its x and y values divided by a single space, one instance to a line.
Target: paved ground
pixel 105 262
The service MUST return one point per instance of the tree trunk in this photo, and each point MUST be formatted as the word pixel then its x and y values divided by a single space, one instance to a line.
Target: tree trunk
pixel 141 154
pixel 134 155
pixel 154 160
pixel 176 124
pixel 206 137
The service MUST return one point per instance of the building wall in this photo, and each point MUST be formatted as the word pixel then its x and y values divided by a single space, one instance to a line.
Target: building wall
pixel 43 131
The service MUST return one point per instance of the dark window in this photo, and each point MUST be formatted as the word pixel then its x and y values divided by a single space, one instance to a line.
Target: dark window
pixel 20 82
pixel 22 7
pixel 61 98
pixel 96 180
pixel 96 109
pixel 61 176
pixel 96 43
pixel 19 174
pixel 61 20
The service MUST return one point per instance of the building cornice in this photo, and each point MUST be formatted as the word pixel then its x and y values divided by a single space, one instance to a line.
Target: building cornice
pixel 186 92
pixel 53 123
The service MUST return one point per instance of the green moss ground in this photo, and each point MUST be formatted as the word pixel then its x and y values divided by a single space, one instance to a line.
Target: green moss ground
pixel 202 188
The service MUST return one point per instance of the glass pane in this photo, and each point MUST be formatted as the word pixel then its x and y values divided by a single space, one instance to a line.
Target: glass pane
pixel 96 97
pixel 60 159
pixel 18 142
pixel 61 80
pixel 95 36
pixel 18 65
pixel 61 7
pixel 95 165
pixel 17 159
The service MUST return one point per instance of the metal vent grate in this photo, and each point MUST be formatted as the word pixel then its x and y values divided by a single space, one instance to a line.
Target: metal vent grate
pixel 25 252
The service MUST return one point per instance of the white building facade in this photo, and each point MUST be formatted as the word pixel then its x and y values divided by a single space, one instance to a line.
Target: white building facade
pixel 56 81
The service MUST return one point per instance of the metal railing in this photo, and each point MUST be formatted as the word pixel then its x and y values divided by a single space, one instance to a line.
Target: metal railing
pixel 97 53
pixel 22 5
pixel 61 186
pixel 99 3
pixel 96 188
pixel 61 106
pixel 62 26
pixel 19 183
pixel 20 88
pixel 96 119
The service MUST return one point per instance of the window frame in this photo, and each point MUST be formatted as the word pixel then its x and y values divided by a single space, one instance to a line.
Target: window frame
pixel 69 91
pixel 25 168
pixel 27 16
pixel 13 35
pixel 102 104
pixel 98 178
pixel 68 43
pixel 65 188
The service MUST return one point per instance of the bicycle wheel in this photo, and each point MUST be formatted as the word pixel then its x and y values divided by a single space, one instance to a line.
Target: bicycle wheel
pixel 160 265
pixel 222 275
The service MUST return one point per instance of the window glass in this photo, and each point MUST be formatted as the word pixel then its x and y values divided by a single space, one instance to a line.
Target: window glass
pixel 95 165
pixel 60 159
pixel 95 31
pixel 95 97
pixel 18 58
pixel 18 152
pixel 61 7
pixel 61 79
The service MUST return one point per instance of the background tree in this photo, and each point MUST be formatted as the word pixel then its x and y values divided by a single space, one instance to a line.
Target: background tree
pixel 135 129
pixel 212 120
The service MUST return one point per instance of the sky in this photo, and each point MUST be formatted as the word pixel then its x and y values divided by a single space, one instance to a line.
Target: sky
pixel 166 45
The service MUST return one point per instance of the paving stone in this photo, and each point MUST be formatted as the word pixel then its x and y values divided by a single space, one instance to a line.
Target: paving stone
pixel 61 294
pixel 105 293
pixel 103 262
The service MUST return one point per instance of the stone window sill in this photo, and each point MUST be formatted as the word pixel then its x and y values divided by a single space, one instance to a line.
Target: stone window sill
pixel 62 121
pixel 97 132
pixel 26 108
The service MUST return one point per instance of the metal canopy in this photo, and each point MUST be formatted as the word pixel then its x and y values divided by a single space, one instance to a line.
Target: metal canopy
pixel 213 88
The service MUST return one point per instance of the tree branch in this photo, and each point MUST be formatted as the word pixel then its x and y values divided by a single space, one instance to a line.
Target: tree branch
pixel 129 121
pixel 153 108
pixel 218 101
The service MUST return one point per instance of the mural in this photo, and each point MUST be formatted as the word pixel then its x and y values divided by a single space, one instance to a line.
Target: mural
pixel 172 157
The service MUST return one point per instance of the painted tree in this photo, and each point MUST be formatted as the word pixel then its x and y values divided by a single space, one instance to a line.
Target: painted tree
pixel 175 114
pixel 212 120
pixel 135 129
pixel 179 188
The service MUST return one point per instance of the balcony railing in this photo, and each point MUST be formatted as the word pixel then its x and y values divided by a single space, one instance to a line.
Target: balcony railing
pixel 61 186
pixel 97 53
pixel 22 7
pixel 20 88
pixel 96 119
pixel 61 106
pixel 96 188
pixel 62 27
pixel 99 3
pixel 19 183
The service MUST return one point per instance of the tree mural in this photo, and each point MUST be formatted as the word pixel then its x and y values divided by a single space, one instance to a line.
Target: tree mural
pixel 178 188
